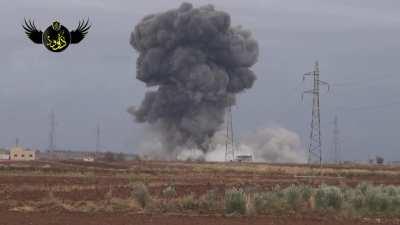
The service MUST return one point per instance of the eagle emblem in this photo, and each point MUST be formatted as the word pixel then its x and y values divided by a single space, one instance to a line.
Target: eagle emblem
pixel 56 37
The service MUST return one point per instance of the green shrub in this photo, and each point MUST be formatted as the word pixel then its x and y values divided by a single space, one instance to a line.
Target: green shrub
pixel 306 192
pixel 261 202
pixel 367 199
pixel 269 202
pixel 141 194
pixel 391 190
pixel 364 187
pixel 356 199
pixel 235 201
pixel 209 201
pixel 377 201
pixel 293 196
pixel 328 197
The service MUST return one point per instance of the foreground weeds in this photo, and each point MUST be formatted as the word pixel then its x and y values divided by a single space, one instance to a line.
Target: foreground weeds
pixel 364 200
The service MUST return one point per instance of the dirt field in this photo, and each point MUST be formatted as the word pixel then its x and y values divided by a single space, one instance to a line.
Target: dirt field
pixel 78 193
pixel 140 219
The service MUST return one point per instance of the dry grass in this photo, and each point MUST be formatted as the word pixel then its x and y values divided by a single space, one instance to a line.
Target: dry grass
pixel 296 170
pixel 172 187
pixel 25 208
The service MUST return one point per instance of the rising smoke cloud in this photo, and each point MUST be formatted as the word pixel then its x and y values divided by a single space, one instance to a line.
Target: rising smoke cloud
pixel 274 144
pixel 198 62
pixel 269 144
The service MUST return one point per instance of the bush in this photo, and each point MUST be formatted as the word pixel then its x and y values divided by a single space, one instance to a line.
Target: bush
pixel 293 196
pixel 260 203
pixel 379 199
pixel 141 194
pixel 169 192
pixel 189 202
pixel 328 197
pixel 235 201
pixel 364 187
pixel 268 202
pixel 209 201
pixel 306 192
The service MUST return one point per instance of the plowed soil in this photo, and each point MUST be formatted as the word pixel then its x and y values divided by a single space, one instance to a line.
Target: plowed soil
pixel 144 219
pixel 28 190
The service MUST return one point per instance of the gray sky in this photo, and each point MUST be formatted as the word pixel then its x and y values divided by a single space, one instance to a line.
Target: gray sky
pixel 356 41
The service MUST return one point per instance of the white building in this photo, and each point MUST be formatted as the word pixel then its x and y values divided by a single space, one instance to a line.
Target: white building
pixel 4 156
pixel 88 159
pixel 18 153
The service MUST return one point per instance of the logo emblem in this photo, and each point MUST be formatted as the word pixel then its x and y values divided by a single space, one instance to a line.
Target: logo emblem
pixel 56 37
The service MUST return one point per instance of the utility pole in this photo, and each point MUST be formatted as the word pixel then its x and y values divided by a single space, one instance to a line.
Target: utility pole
pixel 315 145
pixel 52 133
pixel 229 141
pixel 336 142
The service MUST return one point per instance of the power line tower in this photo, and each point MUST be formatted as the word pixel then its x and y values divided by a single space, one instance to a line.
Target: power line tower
pixel 336 142
pixel 229 141
pixel 52 133
pixel 315 145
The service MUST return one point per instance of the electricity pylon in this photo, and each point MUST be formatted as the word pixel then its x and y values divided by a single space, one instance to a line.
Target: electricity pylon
pixel 229 141
pixel 315 145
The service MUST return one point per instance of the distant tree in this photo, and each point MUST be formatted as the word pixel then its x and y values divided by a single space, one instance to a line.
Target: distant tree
pixel 379 160
pixel 120 157
pixel 109 157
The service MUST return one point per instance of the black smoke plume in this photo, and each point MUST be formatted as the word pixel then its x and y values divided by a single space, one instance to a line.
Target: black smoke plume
pixel 198 62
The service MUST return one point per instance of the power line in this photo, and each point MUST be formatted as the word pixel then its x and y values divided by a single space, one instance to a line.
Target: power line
pixel 368 82
pixel 369 107
pixel 315 145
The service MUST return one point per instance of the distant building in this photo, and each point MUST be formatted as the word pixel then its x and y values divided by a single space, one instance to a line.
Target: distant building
pixel 244 158
pixel 395 163
pixel 88 159
pixel 18 153
pixel 4 155
pixel 379 160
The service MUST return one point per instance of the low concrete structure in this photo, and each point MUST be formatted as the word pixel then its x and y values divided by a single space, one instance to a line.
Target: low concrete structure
pixel 88 159
pixel 244 158
pixel 4 156
pixel 18 153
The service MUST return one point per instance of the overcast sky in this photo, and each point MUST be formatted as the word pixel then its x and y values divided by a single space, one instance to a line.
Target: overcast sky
pixel 356 41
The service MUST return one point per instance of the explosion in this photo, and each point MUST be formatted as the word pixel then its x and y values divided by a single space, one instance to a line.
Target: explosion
pixel 198 63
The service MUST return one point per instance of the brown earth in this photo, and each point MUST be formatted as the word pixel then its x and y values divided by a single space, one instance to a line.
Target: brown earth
pixel 11 218
pixel 44 193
